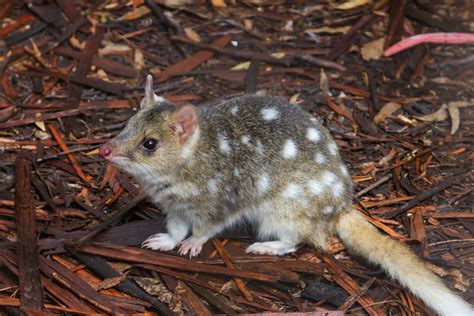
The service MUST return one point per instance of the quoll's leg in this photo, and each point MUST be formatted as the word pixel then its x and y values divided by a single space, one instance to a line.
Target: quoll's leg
pixel 177 231
pixel 201 233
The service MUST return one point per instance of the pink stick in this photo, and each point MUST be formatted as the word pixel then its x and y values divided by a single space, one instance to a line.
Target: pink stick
pixel 441 38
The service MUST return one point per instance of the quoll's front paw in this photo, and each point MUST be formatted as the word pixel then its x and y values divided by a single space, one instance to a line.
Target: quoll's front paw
pixel 160 241
pixel 192 245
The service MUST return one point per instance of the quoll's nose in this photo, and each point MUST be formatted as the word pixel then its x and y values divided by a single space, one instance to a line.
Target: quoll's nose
pixel 105 151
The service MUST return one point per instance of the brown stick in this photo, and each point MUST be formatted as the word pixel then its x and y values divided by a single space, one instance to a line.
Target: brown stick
pixel 456 178
pixel 247 55
pixel 228 262
pixel 31 290
pixel 70 156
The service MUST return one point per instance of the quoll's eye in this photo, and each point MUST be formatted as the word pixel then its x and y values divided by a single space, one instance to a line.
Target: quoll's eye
pixel 150 143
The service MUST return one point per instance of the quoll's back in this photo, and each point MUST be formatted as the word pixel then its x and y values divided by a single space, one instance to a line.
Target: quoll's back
pixel 267 148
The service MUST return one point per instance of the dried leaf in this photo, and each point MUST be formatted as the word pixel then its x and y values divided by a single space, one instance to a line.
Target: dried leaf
pixel 295 99
pixel 278 55
pixel 324 83
pixel 437 116
pixel 191 34
pixel 453 109
pixel 42 135
pixel 155 287
pixel 373 49
pixel 288 26
pixel 248 24
pixel 110 282
pixel 407 120
pixel 386 111
pixel 242 66
pixel 218 3
pixel 112 48
pixel 101 74
pixel 135 14
pixel 351 4
pixel 454 114
pixel 330 30
pixel 76 43
pixel 139 60
pixel 41 125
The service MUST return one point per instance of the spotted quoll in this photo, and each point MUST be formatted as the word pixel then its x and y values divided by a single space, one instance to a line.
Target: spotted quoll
pixel 261 159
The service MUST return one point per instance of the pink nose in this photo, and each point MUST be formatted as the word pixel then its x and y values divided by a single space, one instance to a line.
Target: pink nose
pixel 105 151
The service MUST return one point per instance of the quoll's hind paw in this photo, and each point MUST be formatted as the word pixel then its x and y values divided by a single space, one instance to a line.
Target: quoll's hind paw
pixel 191 245
pixel 272 248
pixel 160 241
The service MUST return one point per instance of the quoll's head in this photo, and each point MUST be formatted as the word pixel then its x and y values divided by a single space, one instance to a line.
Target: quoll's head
pixel 155 139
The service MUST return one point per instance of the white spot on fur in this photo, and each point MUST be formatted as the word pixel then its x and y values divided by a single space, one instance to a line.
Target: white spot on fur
pixel 234 109
pixel 289 149
pixel 212 185
pixel 313 135
pixel 319 158
pixel 313 119
pixel 292 191
pixel 344 170
pixel 259 147
pixel 263 183
pixel 328 210
pixel 270 114
pixel 315 187
pixel 224 145
pixel 337 189
pixel 332 147
pixel 236 172
pixel 194 190
pixel 328 178
pixel 246 139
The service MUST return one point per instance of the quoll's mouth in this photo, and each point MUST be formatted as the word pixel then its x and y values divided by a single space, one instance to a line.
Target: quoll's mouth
pixel 120 161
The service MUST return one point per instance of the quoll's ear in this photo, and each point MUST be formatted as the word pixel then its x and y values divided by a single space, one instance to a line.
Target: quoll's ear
pixel 150 97
pixel 186 122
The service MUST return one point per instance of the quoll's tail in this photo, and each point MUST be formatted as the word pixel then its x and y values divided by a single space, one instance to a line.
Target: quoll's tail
pixel 400 263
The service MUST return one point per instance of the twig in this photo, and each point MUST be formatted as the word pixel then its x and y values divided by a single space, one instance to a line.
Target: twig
pixel 285 61
pixel 116 217
pixel 63 153
pixel 372 186
pixel 71 158
pixel 228 262
pixel 456 178
pixel 354 297
pixel 31 291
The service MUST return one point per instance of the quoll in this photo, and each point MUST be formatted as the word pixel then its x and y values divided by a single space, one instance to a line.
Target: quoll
pixel 261 159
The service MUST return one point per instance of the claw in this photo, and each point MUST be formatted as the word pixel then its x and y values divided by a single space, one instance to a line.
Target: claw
pixel 163 242
pixel 193 246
